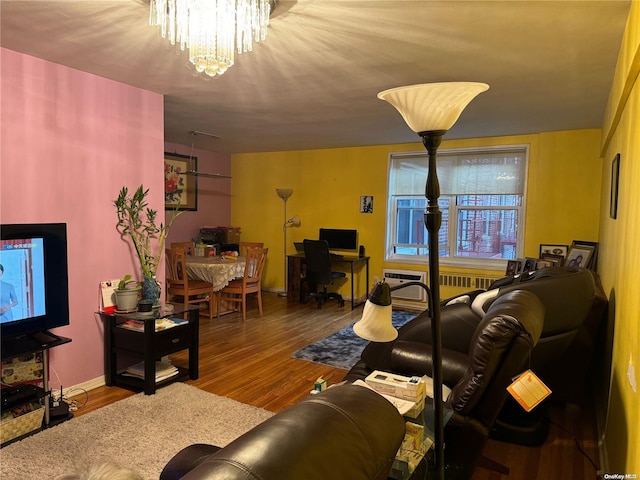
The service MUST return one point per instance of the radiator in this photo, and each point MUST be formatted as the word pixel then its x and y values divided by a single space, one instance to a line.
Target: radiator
pixel 471 282
pixel 398 277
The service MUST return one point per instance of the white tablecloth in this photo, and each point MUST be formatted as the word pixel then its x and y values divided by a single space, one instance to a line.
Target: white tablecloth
pixel 215 270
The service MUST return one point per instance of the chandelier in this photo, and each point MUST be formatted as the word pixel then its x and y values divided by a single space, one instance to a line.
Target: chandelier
pixel 212 29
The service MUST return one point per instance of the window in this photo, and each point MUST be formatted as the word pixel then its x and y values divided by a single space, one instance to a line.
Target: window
pixel 481 199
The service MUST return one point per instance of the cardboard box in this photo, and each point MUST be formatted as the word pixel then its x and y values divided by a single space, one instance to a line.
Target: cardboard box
pixel 23 369
pixel 405 388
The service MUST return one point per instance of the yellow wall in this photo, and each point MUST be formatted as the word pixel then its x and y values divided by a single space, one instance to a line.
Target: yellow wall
pixel 563 188
pixel 619 264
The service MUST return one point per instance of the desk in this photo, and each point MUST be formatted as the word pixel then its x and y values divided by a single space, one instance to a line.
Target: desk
pixel 215 270
pixel 297 289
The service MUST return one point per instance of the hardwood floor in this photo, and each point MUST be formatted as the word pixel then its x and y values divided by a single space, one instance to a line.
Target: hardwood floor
pixel 251 362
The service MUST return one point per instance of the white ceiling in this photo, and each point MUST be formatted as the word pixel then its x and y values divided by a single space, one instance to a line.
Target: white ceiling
pixel 313 83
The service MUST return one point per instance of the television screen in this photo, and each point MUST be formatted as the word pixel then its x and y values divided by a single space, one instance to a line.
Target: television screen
pixel 340 239
pixel 22 290
pixel 34 289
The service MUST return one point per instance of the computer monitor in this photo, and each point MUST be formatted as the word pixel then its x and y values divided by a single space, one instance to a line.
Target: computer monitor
pixel 339 239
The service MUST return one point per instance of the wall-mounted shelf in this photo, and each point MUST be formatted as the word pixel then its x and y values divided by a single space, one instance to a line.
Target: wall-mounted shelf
pixel 193 173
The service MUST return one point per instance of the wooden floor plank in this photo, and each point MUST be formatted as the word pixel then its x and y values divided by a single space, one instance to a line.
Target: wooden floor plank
pixel 251 362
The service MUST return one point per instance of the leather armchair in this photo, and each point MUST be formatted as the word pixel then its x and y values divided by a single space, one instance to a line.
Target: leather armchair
pixel 344 433
pixel 574 307
pixel 478 371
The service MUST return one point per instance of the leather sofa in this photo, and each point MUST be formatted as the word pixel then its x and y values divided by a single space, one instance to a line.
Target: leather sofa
pixel 477 368
pixel 575 306
pixel 346 432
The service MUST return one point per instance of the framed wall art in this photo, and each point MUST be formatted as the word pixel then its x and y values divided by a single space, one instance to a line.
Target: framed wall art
pixel 366 204
pixel 615 179
pixel 180 189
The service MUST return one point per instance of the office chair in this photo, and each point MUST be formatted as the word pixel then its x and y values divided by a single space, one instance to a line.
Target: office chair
pixel 319 271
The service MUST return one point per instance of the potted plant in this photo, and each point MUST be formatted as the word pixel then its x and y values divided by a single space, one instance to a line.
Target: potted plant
pixel 137 222
pixel 127 294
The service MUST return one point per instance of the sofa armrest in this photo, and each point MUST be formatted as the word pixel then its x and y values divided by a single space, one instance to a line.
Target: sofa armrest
pixel 413 358
pixel 346 432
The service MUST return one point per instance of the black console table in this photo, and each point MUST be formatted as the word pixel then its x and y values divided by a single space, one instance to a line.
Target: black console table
pixel 25 393
pixel 150 345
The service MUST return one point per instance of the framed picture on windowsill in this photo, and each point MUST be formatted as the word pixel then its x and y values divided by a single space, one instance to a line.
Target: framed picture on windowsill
pixel 593 262
pixel 180 189
pixel 579 256
pixel 553 249
pixel 555 260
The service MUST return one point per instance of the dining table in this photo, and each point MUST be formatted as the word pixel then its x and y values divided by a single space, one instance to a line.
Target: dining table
pixel 217 270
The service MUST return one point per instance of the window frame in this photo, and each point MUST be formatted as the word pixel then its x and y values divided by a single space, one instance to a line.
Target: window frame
pixel 453 260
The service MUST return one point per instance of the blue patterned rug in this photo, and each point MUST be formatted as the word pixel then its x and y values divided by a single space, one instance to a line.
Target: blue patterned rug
pixel 343 348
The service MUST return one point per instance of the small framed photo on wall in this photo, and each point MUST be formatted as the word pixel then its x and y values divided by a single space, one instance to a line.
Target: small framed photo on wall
pixel 615 179
pixel 366 204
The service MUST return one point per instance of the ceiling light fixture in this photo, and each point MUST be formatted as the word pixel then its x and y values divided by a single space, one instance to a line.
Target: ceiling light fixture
pixel 212 29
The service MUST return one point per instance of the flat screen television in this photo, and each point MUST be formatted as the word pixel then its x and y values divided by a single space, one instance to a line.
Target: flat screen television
pixel 339 239
pixel 34 286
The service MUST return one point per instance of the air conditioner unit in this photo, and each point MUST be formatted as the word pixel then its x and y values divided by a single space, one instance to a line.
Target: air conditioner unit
pixel 398 277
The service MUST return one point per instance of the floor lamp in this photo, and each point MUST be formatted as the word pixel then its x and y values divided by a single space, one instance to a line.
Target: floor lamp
pixel 284 194
pixel 430 109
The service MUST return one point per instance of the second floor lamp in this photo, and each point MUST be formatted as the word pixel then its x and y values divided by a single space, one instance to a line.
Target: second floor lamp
pixel 284 194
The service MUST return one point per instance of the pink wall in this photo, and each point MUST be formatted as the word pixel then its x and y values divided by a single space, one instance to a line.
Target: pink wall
pixel 214 195
pixel 70 141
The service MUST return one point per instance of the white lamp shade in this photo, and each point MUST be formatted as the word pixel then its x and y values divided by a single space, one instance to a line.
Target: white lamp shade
pixel 432 106
pixel 284 193
pixel 294 221
pixel 375 324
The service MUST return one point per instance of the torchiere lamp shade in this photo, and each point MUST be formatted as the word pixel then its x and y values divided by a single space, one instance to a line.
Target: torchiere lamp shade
pixel 432 106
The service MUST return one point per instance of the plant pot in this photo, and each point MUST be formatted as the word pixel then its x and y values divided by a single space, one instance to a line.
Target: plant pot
pixel 151 290
pixel 126 300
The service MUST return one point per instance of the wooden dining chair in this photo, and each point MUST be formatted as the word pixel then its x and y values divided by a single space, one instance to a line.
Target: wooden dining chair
pixel 244 246
pixel 237 290
pixel 188 247
pixel 179 283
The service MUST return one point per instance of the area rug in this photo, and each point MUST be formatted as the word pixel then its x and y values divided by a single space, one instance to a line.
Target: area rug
pixel 343 348
pixel 142 432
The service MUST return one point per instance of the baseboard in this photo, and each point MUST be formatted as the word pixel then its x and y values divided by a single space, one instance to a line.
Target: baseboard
pixel 601 426
pixel 79 388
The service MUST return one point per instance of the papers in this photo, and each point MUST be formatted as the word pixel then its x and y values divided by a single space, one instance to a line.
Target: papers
pixel 161 324
pixel 403 406
pixel 163 371
pixel 107 295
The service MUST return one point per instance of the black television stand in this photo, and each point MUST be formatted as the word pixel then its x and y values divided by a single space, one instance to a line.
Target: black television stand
pixel 40 341
pixel 31 342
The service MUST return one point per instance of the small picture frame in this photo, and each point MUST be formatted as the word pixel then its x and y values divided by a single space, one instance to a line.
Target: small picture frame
pixel 553 249
pixel 555 260
pixel 593 263
pixel 540 264
pixel 180 188
pixel 613 194
pixel 529 264
pixel 366 204
pixel 579 256
pixel 513 266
